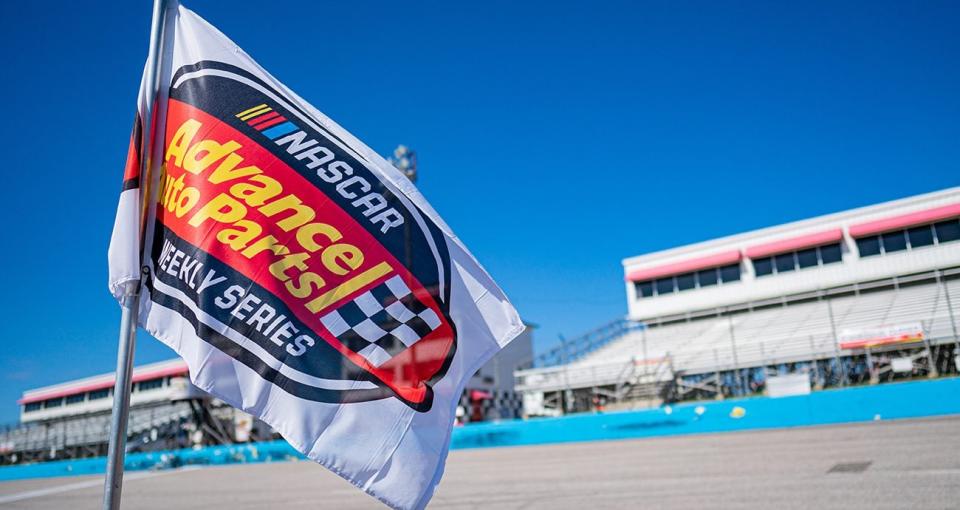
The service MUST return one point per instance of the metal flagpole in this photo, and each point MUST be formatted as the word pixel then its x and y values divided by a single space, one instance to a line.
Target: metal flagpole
pixel 131 302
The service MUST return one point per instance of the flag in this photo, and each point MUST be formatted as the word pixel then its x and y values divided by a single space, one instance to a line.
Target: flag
pixel 124 252
pixel 302 278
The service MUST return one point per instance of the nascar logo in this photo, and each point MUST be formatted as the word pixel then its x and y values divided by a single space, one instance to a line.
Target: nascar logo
pixel 297 245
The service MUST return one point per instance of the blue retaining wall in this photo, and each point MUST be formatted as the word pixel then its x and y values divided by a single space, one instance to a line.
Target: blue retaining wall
pixel 887 401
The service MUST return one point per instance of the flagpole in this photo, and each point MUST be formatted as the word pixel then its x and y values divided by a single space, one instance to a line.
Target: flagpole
pixel 130 304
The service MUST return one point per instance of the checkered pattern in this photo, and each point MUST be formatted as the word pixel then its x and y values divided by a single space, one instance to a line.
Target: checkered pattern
pixel 382 322
pixel 503 404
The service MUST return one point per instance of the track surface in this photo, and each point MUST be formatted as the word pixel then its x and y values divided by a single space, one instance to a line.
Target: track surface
pixel 913 464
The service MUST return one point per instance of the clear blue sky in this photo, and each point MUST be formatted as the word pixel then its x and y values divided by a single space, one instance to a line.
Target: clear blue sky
pixel 555 138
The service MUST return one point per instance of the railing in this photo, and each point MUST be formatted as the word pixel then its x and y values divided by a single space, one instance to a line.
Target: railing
pixel 573 349
pixel 661 372
pixel 585 375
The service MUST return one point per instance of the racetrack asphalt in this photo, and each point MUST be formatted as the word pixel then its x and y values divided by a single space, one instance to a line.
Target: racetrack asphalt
pixel 885 464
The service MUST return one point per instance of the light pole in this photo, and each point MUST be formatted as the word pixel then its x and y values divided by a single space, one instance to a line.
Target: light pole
pixel 405 160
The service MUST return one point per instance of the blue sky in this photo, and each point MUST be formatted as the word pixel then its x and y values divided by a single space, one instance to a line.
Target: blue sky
pixel 555 138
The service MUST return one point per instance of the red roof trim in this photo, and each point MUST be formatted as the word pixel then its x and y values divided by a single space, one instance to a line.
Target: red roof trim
pixel 795 243
pixel 905 220
pixel 718 259
pixel 106 383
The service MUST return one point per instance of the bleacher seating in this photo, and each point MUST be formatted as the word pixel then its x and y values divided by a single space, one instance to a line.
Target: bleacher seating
pixel 768 335
pixel 93 429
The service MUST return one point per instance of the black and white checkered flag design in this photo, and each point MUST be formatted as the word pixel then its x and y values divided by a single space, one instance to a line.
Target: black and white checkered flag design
pixel 382 322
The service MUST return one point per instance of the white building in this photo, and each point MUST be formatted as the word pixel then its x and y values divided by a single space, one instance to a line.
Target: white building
pixel 72 419
pixel 165 381
pixel 832 296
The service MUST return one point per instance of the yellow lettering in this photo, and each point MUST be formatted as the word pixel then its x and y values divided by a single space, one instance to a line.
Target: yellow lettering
pixel 243 233
pixel 257 195
pixel 279 268
pixel 227 170
pixel 304 285
pixel 342 258
pixel 187 200
pixel 306 235
pixel 301 213
pixel 205 152
pixel 222 208
pixel 181 140
pixel 268 243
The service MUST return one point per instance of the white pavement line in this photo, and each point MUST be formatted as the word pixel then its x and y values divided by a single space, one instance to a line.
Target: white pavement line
pixel 20 496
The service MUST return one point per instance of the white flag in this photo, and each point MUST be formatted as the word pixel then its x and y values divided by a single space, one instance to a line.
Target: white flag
pixel 303 278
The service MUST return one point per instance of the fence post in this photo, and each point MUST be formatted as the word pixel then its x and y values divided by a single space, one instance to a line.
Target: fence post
pixel 565 404
pixel 926 347
pixel 733 350
pixel 716 373
pixel 836 345
pixel 874 379
pixel 815 367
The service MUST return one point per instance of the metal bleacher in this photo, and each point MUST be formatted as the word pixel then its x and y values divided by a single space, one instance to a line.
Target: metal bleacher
pixel 793 329
pixel 78 436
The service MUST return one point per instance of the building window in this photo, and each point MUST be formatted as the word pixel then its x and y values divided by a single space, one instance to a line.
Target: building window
pixel 909 239
pixel 869 246
pixel 665 286
pixel 920 236
pixel 947 231
pixel 32 406
pixel 830 254
pixel 53 402
pixel 807 258
pixel 730 273
pixel 763 267
pixel 98 394
pixel 688 281
pixel 707 277
pixel 785 262
pixel 894 241
pixel 644 289
pixel 150 384
pixel 75 399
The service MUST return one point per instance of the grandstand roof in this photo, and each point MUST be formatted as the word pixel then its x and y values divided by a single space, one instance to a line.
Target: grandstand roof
pixel 804 256
pixel 883 210
pixel 99 382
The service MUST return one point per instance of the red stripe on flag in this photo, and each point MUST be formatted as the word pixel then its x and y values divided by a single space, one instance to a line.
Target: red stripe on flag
pixel 265 125
pixel 262 118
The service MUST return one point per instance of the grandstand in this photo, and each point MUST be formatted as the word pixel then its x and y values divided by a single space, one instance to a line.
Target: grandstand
pixel 858 297
pixel 72 419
